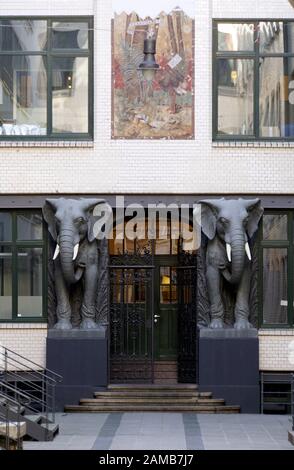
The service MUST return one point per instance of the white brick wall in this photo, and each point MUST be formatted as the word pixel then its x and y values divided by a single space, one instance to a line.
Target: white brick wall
pixel 28 339
pixel 149 166
pixel 276 350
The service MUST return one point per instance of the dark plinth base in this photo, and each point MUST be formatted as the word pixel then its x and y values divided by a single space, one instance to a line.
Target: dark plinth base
pixel 81 358
pixel 229 367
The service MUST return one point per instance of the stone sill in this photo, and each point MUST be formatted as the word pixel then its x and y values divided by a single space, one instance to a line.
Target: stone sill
pixel 23 326
pixel 237 144
pixel 274 332
pixel 46 144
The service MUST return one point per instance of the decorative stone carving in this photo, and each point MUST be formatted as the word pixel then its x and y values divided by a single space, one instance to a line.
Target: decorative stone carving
pixel 229 226
pixel 77 274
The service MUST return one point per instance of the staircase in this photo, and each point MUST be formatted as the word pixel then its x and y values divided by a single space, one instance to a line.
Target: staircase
pixel 33 390
pixel 157 397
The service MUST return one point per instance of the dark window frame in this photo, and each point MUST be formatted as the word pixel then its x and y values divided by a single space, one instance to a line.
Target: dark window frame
pixel 289 245
pixel 52 54
pixel 255 55
pixel 15 245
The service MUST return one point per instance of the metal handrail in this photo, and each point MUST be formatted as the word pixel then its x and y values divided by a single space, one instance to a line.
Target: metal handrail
pixel 14 366
pixel 8 404
pixel 58 377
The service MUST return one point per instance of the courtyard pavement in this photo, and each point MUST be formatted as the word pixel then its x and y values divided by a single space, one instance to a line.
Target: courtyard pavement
pixel 168 431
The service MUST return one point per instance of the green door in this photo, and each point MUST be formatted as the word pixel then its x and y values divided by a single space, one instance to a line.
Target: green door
pixel 165 309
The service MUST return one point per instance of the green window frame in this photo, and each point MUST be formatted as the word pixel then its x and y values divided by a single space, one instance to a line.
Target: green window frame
pixel 17 247
pixel 279 245
pixel 256 56
pixel 51 56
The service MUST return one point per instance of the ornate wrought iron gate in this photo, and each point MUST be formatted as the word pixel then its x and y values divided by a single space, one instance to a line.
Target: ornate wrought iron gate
pixel 131 318
pixel 187 318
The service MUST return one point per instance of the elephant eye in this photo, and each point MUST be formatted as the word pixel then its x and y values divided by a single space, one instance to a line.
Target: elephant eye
pixel 246 220
pixel 223 220
pixel 80 220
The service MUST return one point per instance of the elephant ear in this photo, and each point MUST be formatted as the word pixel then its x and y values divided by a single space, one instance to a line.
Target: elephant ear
pixel 255 211
pixel 209 212
pixel 88 205
pixel 49 210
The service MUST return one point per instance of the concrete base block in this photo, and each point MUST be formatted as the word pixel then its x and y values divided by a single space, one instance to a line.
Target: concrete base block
pixel 229 367
pixel 81 359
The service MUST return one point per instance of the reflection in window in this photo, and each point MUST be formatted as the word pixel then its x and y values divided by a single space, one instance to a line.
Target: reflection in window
pixel 275 286
pixel 23 95
pixel 5 227
pixel 22 35
pixel 235 96
pixel 29 226
pixel 271 36
pixel 70 35
pixel 235 36
pixel 30 282
pixel 276 100
pixel 275 227
pixel 70 95
pixel 5 283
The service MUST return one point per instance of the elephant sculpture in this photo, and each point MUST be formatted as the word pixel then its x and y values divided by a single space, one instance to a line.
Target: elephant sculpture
pixel 70 223
pixel 229 225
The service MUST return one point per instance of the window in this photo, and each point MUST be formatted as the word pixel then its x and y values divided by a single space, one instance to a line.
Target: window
pixel 253 80
pixel 22 267
pixel 45 78
pixel 277 269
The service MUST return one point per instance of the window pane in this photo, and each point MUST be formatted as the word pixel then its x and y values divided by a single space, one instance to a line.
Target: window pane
pixel 23 95
pixel 275 227
pixel 5 227
pixel 5 284
pixel 70 95
pixel 70 35
pixel 29 226
pixel 276 104
pixel 165 281
pixel 22 35
pixel 272 35
pixel 235 96
pixel 235 36
pixel 275 291
pixel 30 282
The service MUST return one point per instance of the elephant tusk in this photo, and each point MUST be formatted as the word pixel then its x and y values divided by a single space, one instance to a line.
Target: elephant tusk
pixel 229 252
pixel 56 252
pixel 75 253
pixel 248 252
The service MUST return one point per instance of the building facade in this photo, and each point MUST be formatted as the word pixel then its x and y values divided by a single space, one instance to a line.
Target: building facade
pixel 68 130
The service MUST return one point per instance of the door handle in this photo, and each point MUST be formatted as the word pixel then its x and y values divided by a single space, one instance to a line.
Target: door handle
pixel 156 318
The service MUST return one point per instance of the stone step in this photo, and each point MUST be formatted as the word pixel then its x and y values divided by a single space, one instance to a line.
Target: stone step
pixel 112 408
pixel 153 393
pixel 147 387
pixel 164 381
pixel 166 367
pixel 153 400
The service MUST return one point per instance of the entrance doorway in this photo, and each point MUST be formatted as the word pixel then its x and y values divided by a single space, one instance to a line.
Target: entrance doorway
pixel 153 324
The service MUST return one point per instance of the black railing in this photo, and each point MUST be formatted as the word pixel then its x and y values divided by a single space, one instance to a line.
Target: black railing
pixel 31 379
pixel 8 437
pixel 276 392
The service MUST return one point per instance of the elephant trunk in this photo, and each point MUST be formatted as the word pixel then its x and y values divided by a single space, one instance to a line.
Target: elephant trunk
pixel 71 275
pixel 238 258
